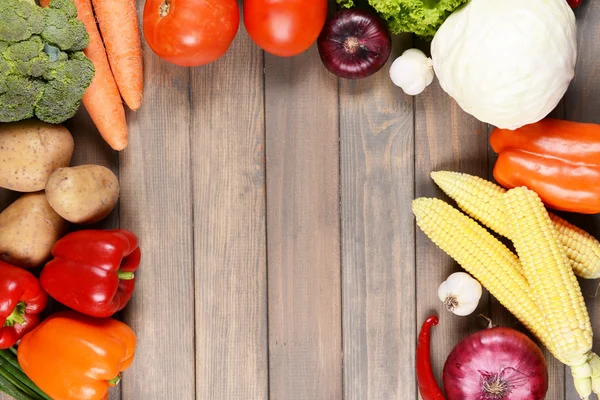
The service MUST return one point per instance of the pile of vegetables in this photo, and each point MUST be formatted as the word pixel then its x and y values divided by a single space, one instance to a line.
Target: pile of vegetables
pixel 540 165
pixel 79 353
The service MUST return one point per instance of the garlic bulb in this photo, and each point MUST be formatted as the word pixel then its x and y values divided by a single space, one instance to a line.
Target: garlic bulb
pixel 460 293
pixel 412 71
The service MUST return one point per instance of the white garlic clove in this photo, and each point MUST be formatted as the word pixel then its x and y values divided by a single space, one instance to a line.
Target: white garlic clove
pixel 460 293
pixel 412 71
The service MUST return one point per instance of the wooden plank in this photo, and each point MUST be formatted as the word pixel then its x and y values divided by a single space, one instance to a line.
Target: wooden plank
pixel 156 204
pixel 378 277
pixel 582 103
pixel 229 213
pixel 446 138
pixel 303 229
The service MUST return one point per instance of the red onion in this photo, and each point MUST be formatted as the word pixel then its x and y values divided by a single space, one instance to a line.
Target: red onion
pixel 496 364
pixel 355 44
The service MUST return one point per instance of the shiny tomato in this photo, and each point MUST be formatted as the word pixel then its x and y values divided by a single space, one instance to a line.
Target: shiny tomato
pixel 190 32
pixel 284 27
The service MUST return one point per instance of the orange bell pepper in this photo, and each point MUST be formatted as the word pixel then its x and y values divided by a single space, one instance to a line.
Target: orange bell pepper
pixel 559 160
pixel 70 356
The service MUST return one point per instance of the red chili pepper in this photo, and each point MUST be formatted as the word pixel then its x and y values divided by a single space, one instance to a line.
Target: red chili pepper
pixel 22 299
pixel 428 386
pixel 574 3
pixel 93 271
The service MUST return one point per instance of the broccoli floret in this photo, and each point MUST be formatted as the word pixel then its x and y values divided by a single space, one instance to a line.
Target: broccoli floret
pixel 20 19
pixel 67 83
pixel 62 28
pixel 422 17
pixel 43 72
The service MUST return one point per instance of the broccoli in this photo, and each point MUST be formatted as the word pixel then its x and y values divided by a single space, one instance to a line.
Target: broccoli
pixel 422 17
pixel 43 71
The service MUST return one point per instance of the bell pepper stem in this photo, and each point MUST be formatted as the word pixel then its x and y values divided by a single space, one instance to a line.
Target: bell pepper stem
pixel 126 276
pixel 17 316
pixel 115 381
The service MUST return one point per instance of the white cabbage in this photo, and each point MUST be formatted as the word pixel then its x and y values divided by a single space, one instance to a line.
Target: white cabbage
pixel 507 62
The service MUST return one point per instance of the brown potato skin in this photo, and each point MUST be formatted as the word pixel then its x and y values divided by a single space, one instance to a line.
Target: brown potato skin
pixel 84 194
pixel 29 228
pixel 30 151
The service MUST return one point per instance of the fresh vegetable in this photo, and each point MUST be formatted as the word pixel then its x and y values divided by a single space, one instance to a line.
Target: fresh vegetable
pixel 354 44
pixel 30 151
pixel 559 160
pixel 498 74
pixel 189 32
pixel 29 228
pixel 93 271
pixel 412 71
pixel 83 194
pixel 22 299
pixel 72 356
pixel 118 24
pixel 482 200
pixel 102 100
pixel 13 380
pixel 507 280
pixel 43 72
pixel 460 293
pixel 428 387
pixel 552 282
pixel 496 363
pixel 422 17
pixel 574 3
pixel 284 28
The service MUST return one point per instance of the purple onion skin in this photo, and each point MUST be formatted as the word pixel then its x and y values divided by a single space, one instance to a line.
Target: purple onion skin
pixel 502 352
pixel 354 44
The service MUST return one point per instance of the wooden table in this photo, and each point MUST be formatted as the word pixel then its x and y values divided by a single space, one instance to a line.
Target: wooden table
pixel 280 255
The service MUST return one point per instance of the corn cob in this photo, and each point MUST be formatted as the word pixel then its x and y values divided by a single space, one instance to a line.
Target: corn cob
pixel 484 257
pixel 553 284
pixel 482 200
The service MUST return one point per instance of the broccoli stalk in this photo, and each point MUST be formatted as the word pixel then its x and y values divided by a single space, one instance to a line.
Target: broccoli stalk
pixel 422 17
pixel 43 72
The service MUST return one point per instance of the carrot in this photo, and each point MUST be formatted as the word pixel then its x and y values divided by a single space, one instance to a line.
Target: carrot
pixel 101 99
pixel 118 23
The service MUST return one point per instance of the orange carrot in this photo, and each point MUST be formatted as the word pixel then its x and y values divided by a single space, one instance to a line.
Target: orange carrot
pixel 101 99
pixel 118 23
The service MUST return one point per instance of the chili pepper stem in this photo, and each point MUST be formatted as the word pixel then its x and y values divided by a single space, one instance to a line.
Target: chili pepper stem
pixel 126 276
pixel 17 315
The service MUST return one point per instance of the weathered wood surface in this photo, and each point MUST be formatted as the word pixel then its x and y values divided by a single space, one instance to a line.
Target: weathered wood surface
pixel 280 256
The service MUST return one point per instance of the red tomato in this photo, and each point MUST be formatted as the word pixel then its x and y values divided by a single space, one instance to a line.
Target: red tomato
pixel 190 32
pixel 284 27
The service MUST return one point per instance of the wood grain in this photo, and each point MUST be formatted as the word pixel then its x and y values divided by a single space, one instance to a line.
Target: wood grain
pixel 156 204
pixel 303 229
pixel 227 145
pixel 378 275
pixel 446 138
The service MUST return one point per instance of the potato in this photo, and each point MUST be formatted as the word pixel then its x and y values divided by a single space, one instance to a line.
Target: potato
pixel 84 194
pixel 29 228
pixel 30 151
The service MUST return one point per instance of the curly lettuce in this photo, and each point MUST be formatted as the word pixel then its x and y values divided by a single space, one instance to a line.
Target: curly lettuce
pixel 421 17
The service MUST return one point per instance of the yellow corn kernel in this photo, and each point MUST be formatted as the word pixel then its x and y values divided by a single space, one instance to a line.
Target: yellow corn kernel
pixel 482 200
pixel 484 257
pixel 553 284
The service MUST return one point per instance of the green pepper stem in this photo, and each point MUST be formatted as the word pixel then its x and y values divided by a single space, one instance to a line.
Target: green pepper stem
pixel 115 381
pixel 126 276
pixel 17 316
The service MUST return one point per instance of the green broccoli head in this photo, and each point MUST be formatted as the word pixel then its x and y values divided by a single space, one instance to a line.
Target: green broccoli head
pixel 67 82
pixel 62 28
pixel 422 17
pixel 43 72
pixel 19 20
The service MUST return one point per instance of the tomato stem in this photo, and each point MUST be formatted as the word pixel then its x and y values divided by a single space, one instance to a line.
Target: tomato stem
pixel 165 7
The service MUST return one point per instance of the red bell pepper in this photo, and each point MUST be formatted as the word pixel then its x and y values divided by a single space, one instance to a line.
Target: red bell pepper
pixel 93 271
pixel 22 299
